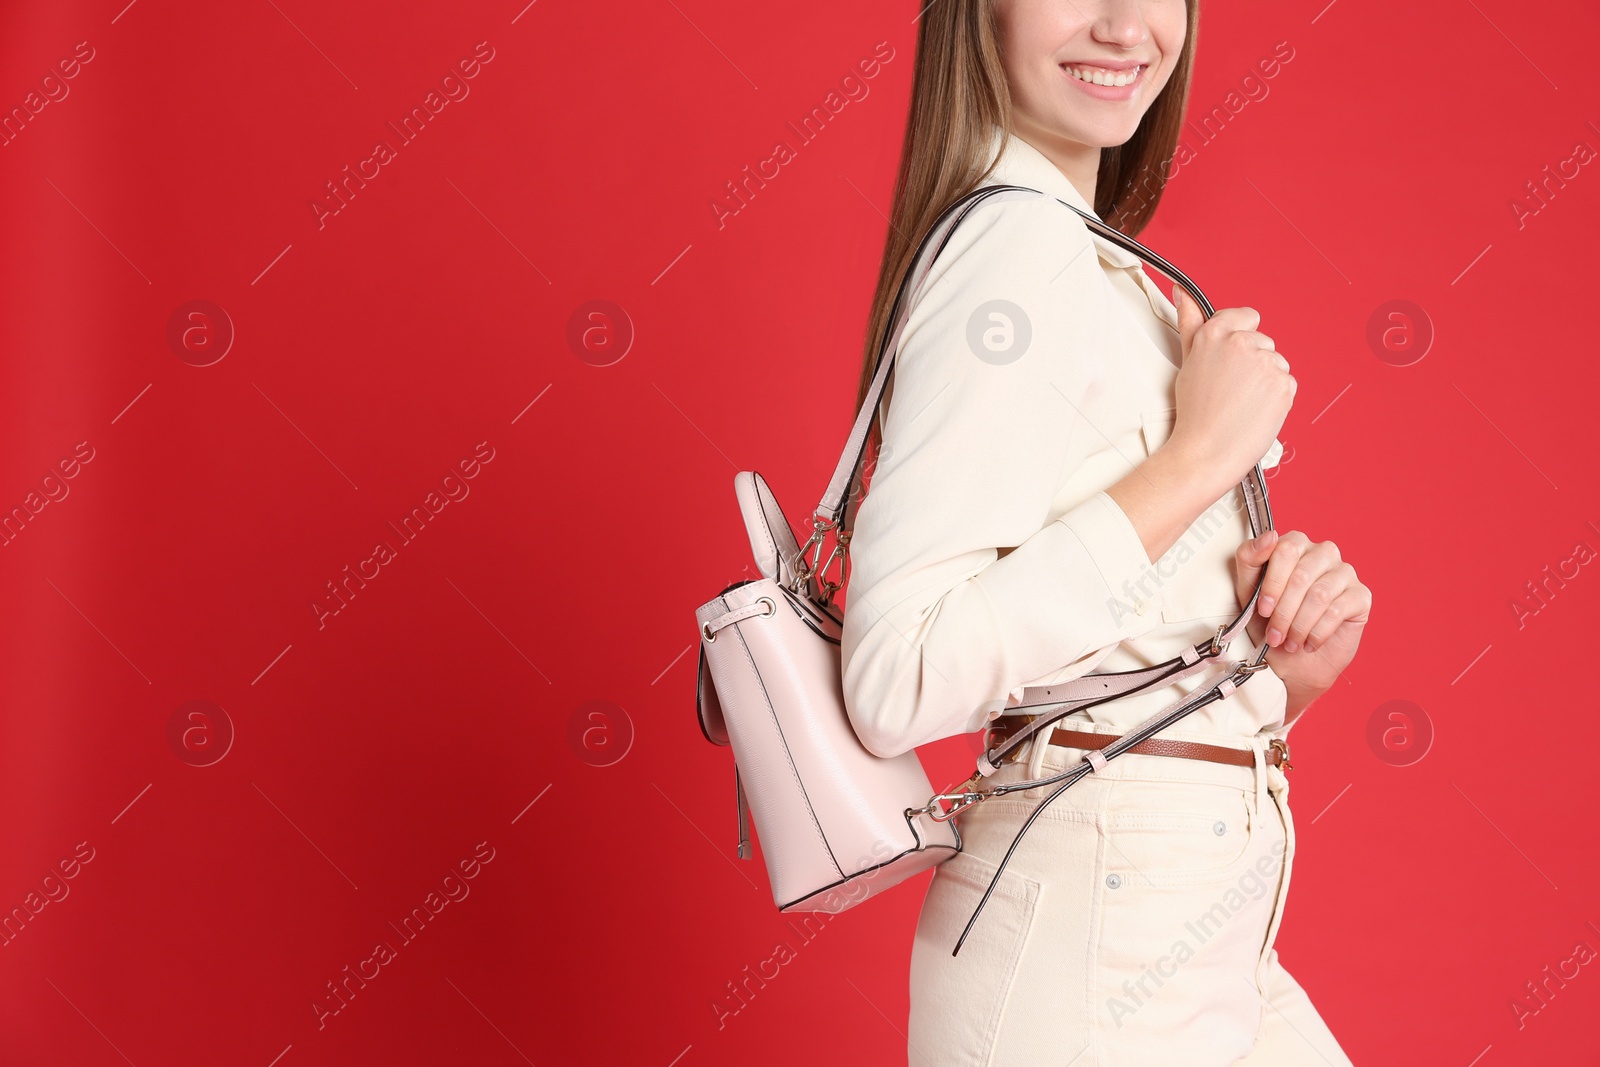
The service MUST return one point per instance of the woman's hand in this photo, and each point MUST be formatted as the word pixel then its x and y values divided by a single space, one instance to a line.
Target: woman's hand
pixel 1233 392
pixel 1312 610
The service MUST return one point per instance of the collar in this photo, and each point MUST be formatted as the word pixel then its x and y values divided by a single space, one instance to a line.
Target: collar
pixel 1022 164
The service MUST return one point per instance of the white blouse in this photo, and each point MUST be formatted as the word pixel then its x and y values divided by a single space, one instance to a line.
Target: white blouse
pixel 986 555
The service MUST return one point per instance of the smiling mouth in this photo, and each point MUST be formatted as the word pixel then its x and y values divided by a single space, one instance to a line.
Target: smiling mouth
pixel 1102 75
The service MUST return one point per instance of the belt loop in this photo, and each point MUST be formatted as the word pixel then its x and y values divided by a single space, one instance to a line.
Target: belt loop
pixel 1258 748
pixel 1038 745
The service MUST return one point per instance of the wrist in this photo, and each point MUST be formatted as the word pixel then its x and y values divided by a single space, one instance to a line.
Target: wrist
pixel 1187 473
pixel 1299 700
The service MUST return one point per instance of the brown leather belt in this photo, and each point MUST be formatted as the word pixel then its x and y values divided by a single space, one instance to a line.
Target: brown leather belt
pixel 1277 753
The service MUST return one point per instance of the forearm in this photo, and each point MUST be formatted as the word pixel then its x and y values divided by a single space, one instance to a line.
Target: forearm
pixel 931 649
pixel 1163 496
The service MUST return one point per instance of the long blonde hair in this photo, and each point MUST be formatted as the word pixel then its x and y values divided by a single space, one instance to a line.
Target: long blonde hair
pixel 958 94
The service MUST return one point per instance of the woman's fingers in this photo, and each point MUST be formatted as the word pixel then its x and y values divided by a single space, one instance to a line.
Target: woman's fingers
pixel 1314 605
pixel 1266 342
pixel 1297 563
pixel 1352 603
pixel 1286 551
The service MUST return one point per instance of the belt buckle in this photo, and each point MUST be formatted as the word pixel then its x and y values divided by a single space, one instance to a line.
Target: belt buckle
pixel 1283 752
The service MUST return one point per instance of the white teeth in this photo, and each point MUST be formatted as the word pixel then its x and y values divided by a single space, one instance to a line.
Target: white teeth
pixel 1101 76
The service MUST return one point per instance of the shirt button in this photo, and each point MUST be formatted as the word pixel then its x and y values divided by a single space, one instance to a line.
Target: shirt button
pixel 1139 605
pixel 1220 829
pixel 1113 880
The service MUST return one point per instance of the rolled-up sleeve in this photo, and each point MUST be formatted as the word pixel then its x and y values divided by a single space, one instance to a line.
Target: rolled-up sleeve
pixel 962 584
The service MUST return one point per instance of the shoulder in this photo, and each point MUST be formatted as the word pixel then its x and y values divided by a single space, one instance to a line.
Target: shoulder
pixel 1019 286
pixel 1033 251
pixel 1020 243
pixel 1027 222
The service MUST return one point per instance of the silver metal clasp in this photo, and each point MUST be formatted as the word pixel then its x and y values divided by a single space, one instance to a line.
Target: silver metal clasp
pixel 945 806
pixel 1244 669
pixel 804 568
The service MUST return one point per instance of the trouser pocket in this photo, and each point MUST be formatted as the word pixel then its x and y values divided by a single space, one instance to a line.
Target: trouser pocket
pixel 1187 892
pixel 957 1002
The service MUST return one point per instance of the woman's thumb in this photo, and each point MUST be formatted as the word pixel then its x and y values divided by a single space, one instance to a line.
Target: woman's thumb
pixel 1189 314
pixel 1254 551
pixel 1252 558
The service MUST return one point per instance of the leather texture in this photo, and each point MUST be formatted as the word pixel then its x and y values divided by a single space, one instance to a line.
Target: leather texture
pixel 833 818
pixel 771 538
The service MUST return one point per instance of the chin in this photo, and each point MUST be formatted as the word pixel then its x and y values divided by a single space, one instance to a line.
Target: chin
pixel 1095 135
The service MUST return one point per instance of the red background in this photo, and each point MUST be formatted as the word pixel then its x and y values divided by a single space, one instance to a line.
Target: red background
pixel 436 709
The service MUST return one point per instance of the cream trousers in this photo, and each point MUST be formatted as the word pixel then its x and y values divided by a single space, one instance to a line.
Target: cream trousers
pixel 1133 925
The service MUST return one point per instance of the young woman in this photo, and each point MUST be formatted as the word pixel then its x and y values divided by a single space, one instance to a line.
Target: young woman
pixel 1056 425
